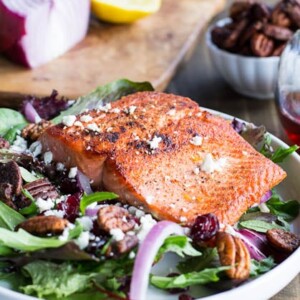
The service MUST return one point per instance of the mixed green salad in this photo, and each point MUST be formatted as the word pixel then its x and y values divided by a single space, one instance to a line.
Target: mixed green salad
pixel 53 243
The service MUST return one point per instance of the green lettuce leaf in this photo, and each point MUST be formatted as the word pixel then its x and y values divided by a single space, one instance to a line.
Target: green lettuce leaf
pixel 188 279
pixel 28 176
pixel 288 210
pixel 282 153
pixel 196 264
pixel 262 266
pixel 11 134
pixel 24 241
pixel 259 225
pixel 103 95
pixel 9 218
pixel 49 278
pixel 10 118
pixel 86 200
pixel 178 244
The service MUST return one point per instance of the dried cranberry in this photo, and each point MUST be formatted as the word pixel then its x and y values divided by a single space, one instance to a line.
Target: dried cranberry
pixel 185 297
pixel 205 227
pixel 176 290
pixel 70 207
pixel 69 186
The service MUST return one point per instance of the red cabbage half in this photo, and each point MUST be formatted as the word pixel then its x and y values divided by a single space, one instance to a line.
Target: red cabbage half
pixel 33 32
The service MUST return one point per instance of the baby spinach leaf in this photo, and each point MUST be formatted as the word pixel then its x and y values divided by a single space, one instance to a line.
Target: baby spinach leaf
pixel 9 218
pixel 188 279
pixel 282 153
pixel 180 245
pixel 103 95
pixel 86 200
pixel 10 118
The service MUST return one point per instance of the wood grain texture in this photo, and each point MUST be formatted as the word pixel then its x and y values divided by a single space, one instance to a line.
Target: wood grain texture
pixel 149 50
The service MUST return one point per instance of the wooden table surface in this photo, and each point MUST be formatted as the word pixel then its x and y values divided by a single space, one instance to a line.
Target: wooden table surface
pixel 199 80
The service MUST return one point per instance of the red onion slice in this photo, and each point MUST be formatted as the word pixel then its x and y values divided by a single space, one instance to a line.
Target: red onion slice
pixel 84 183
pixel 41 30
pixel 92 212
pixel 266 197
pixel 31 114
pixel 146 255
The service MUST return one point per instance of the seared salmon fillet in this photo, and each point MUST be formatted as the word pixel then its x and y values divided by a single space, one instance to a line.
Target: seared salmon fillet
pixel 164 153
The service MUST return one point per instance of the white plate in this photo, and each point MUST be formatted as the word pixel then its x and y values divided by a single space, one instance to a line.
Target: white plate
pixel 263 287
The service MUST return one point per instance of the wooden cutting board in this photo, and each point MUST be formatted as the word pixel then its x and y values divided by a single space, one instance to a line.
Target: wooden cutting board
pixel 148 50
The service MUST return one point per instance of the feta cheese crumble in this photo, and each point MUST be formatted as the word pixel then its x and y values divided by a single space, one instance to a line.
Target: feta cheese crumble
pixel 83 240
pixel 60 166
pixel 55 212
pixel 197 140
pixel 117 234
pixel 35 148
pixel 147 222
pixel 44 204
pixel 86 118
pixel 48 156
pixel 79 124
pixel 172 112
pixel 93 127
pixel 182 219
pixel 86 223
pixel 209 165
pixel 72 172
pixel 19 145
pixel 69 120
pixel 115 110
pixel 154 143
pixel 130 110
pixel 105 108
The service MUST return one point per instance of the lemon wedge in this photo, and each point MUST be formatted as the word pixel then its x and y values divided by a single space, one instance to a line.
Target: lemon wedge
pixel 124 11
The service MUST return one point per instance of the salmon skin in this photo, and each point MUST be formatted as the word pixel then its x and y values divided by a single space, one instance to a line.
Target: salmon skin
pixel 164 153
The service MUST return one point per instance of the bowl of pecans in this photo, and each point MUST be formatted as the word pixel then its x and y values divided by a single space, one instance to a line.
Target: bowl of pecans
pixel 246 46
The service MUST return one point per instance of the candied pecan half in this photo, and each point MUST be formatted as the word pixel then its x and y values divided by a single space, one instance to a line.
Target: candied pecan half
pixel 41 188
pixel 292 9
pixel 240 9
pixel 44 225
pixel 10 173
pixel 125 245
pixel 260 12
pixel 261 45
pixel 6 194
pixel 33 131
pixel 277 32
pixel 233 37
pixel 4 144
pixel 279 49
pixel 247 35
pixel 219 34
pixel 233 252
pixel 283 240
pixel 111 217
pixel 279 17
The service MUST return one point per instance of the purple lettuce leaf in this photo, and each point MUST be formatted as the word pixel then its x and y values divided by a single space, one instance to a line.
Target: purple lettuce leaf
pixel 259 247
pixel 46 107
